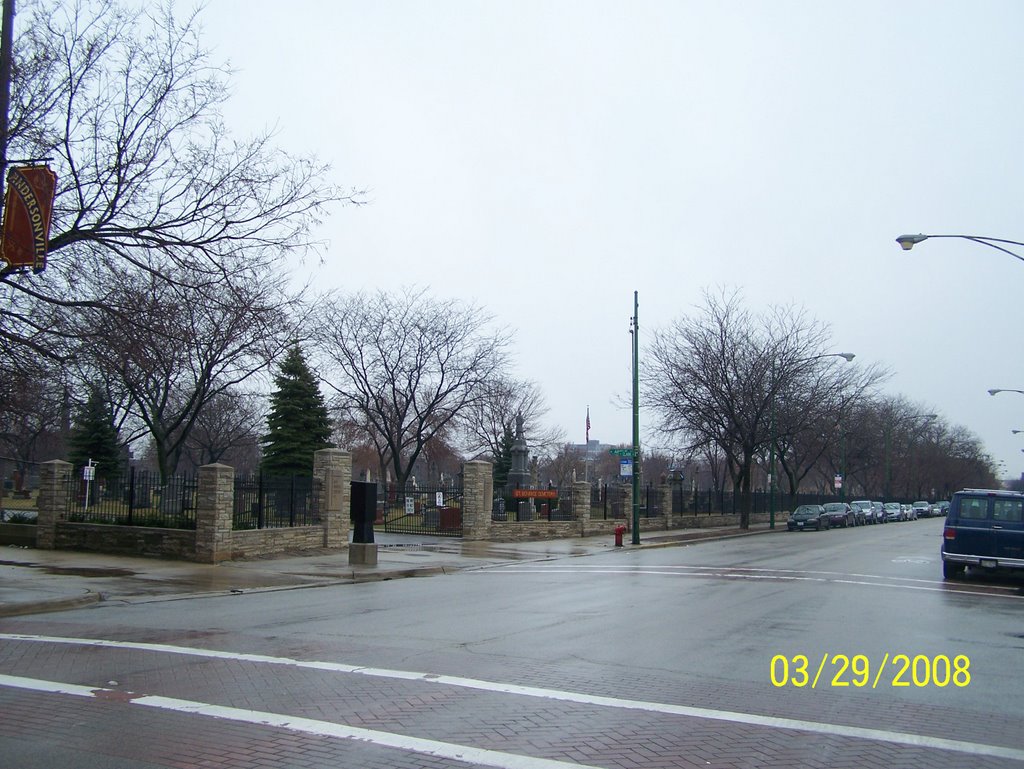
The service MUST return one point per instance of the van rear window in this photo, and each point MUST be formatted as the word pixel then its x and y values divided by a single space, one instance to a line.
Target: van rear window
pixel 1007 510
pixel 973 507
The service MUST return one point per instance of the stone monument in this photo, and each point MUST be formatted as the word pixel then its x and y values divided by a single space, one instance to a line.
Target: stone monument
pixel 519 472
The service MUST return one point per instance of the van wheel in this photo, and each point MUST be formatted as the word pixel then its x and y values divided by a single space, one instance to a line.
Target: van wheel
pixel 952 570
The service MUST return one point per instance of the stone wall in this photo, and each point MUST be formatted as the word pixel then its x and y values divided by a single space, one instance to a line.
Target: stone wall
pixel 18 534
pixel 256 543
pixel 705 521
pixel 214 539
pixel 126 540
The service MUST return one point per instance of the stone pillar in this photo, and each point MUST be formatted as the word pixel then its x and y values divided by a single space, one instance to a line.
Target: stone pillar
pixel 665 495
pixel 334 469
pixel 477 499
pixel 52 503
pixel 215 502
pixel 581 501
pixel 581 505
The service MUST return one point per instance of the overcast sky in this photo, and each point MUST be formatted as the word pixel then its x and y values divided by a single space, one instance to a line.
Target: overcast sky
pixel 546 159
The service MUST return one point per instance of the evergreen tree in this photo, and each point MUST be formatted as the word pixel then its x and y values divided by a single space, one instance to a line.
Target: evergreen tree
pixel 298 423
pixel 93 436
pixel 503 461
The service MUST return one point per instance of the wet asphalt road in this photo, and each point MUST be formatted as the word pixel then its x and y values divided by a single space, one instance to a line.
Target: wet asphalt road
pixel 630 658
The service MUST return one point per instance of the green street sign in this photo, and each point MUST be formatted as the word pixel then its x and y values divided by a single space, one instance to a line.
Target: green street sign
pixel 621 452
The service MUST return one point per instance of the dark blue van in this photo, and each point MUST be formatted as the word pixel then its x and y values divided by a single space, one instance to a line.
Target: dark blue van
pixel 984 528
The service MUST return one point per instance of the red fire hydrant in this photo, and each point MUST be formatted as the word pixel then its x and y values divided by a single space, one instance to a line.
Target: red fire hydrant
pixel 619 531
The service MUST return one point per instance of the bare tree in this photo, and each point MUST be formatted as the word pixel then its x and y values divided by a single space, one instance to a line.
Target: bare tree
pixel 486 421
pixel 406 366
pixel 126 103
pixel 227 429
pixel 809 413
pixel 716 377
pixel 182 349
pixel 33 414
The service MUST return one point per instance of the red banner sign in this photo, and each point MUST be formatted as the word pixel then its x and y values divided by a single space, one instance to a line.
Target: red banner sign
pixel 535 493
pixel 27 210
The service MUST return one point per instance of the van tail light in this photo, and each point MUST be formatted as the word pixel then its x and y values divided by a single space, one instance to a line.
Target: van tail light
pixel 949 533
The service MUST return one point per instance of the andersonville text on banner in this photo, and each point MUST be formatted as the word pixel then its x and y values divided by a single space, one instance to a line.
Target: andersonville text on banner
pixel 27 209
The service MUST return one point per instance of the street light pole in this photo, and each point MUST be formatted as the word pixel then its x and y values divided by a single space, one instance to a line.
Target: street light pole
pixel 907 242
pixel 842 463
pixel 635 331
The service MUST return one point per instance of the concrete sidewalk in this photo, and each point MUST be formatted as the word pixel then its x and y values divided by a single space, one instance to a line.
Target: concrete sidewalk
pixel 33 581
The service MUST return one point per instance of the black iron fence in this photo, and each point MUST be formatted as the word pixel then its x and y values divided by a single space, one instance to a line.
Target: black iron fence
pixel 716 501
pixel 414 509
pixel 609 501
pixel 137 498
pixel 263 502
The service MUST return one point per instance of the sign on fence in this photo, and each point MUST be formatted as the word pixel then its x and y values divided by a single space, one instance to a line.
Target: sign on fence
pixel 535 493
pixel 410 505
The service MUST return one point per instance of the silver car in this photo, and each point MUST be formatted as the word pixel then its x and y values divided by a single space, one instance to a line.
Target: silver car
pixel 862 509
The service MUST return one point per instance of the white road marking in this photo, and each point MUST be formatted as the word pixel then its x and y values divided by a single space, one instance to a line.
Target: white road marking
pixel 447 750
pixel 782 575
pixel 751 719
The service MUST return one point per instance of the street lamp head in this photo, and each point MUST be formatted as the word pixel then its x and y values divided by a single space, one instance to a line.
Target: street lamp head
pixel 994 390
pixel 907 242
pixel 1017 432
pixel 849 356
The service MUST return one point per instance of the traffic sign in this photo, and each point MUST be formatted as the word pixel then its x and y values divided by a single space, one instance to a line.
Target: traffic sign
pixel 621 452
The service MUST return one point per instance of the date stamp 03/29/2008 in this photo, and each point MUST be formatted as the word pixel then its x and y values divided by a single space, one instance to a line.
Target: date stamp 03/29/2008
pixel 860 671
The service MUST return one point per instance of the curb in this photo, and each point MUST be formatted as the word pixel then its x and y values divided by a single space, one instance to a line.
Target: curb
pixel 66 604
pixel 57 604
pixel 684 540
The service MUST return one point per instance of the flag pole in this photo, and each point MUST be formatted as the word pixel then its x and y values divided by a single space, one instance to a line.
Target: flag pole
pixel 586 449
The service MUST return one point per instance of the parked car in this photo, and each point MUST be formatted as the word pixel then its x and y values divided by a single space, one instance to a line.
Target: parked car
pixel 984 529
pixel 862 509
pixel 879 510
pixel 943 507
pixel 910 512
pixel 894 512
pixel 840 514
pixel 808 517
pixel 924 510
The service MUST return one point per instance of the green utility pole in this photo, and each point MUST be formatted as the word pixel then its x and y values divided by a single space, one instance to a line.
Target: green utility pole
pixel 635 331
pixel 771 469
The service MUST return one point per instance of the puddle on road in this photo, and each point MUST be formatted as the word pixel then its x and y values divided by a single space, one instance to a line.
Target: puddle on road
pixel 92 571
pixel 74 571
